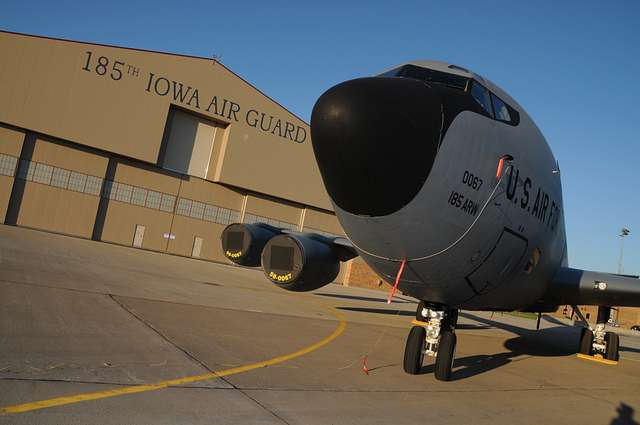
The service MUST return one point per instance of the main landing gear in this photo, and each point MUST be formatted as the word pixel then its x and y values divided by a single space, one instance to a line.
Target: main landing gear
pixel 436 338
pixel 595 340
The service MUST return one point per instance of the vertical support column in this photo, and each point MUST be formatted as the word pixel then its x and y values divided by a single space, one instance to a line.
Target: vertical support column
pixel 347 274
pixel 103 205
pixel 303 214
pixel 19 183
pixel 243 208
pixel 604 313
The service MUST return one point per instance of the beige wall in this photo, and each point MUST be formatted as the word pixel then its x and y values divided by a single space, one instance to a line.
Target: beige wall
pixel 122 218
pixel 121 221
pixel 69 158
pixel 186 229
pixel 147 177
pixel 628 316
pixel 58 210
pixel 6 183
pixel 273 209
pixel 180 230
pixel 361 275
pixel 320 220
pixel 11 141
pixel 46 89
pixel 204 191
pixel 10 144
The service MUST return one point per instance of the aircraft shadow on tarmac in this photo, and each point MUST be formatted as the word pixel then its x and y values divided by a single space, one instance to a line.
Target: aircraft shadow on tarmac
pixel 552 319
pixel 361 298
pixel 554 342
pixel 405 313
pixel 558 341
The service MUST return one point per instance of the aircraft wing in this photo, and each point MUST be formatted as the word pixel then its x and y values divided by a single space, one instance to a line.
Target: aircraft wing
pixel 584 287
pixel 343 247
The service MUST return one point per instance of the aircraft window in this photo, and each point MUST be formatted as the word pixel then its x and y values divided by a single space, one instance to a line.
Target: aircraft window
pixel 481 95
pixel 500 109
pixel 393 73
pixel 428 75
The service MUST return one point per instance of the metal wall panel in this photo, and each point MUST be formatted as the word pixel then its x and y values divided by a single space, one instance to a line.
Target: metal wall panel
pixel 61 189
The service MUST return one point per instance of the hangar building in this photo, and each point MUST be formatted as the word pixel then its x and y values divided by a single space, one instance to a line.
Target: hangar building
pixel 147 149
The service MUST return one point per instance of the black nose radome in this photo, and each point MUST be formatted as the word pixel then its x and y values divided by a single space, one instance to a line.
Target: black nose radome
pixel 375 141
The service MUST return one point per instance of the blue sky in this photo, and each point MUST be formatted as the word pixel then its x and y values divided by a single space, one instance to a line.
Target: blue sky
pixel 573 65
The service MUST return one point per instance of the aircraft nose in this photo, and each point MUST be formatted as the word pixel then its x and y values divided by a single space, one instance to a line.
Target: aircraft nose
pixel 375 140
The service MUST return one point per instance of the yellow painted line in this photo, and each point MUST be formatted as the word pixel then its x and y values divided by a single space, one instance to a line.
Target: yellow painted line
pixel 597 358
pixel 61 401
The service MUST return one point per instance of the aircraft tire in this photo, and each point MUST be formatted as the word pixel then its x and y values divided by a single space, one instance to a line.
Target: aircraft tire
pixel 586 342
pixel 414 350
pixel 613 344
pixel 444 359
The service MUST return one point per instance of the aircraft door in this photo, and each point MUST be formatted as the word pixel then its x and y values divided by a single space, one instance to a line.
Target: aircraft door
pixel 503 259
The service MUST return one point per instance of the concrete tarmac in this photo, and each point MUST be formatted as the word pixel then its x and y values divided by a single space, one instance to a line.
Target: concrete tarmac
pixel 79 317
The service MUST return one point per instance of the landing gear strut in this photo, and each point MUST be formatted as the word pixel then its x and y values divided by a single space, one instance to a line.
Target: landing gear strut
pixel 596 340
pixel 436 338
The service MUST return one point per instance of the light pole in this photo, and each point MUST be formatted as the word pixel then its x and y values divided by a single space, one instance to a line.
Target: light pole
pixel 624 232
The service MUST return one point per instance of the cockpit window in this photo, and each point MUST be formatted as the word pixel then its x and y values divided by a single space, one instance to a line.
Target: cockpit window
pixel 500 109
pixel 481 95
pixel 393 73
pixel 494 107
pixel 428 75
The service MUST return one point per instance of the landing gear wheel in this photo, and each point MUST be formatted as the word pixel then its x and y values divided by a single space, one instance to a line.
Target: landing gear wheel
pixel 612 342
pixel 414 350
pixel 419 316
pixel 586 342
pixel 444 359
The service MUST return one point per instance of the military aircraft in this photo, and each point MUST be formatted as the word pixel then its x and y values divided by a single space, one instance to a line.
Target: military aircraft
pixel 446 189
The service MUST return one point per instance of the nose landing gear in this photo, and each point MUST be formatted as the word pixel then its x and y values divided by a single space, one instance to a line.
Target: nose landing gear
pixel 596 341
pixel 434 337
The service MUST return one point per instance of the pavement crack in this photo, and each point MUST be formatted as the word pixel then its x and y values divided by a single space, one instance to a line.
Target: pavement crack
pixel 70 381
pixel 160 334
pixel 262 406
pixel 192 357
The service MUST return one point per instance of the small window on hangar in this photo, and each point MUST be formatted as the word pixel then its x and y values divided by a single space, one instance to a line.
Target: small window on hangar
pixel 188 143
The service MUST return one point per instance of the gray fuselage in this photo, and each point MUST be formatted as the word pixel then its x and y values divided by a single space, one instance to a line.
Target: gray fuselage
pixel 484 226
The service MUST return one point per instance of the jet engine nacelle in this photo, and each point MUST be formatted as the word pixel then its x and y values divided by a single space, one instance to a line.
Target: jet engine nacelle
pixel 300 262
pixel 243 243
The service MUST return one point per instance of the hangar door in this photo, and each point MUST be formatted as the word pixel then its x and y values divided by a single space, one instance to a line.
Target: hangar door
pixel 503 259
pixel 189 144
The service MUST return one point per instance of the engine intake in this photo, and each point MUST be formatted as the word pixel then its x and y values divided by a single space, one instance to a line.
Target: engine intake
pixel 243 243
pixel 300 262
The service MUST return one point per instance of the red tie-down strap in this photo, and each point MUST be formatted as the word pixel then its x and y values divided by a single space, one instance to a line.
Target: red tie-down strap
pixel 395 285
